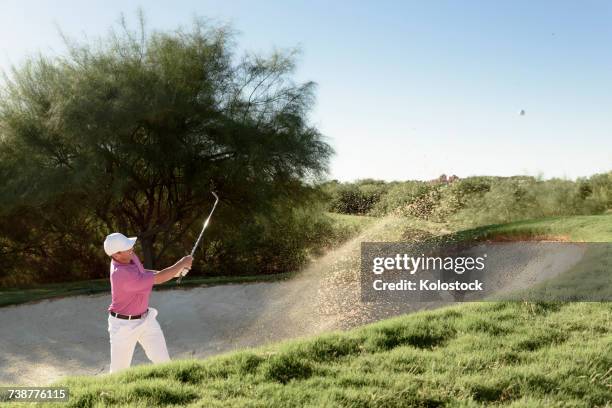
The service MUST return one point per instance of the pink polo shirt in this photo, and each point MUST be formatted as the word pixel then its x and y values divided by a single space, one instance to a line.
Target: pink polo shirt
pixel 131 286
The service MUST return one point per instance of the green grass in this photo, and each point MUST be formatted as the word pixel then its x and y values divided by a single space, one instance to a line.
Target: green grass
pixel 475 355
pixel 347 226
pixel 352 220
pixel 586 228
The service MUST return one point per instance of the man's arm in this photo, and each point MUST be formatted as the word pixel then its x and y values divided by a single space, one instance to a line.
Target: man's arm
pixel 166 274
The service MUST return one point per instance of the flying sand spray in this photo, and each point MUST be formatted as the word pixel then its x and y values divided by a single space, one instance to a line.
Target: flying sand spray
pixel 186 270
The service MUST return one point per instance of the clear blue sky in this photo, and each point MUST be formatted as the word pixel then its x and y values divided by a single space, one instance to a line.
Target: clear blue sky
pixel 406 90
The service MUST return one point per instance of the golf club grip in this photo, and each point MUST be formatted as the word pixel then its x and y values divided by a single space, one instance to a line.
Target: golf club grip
pixel 181 274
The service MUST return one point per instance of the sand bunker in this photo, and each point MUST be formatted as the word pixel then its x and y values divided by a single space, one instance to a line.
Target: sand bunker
pixel 44 341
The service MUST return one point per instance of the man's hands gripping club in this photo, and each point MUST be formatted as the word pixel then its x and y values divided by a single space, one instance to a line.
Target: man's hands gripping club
pixel 184 266
pixel 173 271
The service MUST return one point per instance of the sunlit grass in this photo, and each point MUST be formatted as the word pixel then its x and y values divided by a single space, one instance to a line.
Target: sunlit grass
pixel 508 354
pixel 586 228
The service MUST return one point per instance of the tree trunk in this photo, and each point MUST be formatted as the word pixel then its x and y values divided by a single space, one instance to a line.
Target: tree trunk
pixel 147 252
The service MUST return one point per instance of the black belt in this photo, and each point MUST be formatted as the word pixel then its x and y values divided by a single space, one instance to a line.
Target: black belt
pixel 126 317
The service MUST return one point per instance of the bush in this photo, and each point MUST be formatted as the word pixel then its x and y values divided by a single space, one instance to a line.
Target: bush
pixel 474 200
pixel 399 195
pixel 354 198
pixel 597 192
pixel 516 199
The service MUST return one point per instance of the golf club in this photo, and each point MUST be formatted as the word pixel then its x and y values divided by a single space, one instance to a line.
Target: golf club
pixel 186 270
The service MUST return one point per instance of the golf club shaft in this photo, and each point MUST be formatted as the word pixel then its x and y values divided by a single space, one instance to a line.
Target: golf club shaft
pixel 185 270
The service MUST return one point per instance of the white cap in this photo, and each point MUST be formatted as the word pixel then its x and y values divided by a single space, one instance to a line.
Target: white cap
pixel 116 242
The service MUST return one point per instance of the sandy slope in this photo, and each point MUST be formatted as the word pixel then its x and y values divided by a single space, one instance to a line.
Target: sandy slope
pixel 44 341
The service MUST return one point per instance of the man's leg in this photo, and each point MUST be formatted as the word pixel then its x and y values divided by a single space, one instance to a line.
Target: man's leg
pixel 153 342
pixel 122 342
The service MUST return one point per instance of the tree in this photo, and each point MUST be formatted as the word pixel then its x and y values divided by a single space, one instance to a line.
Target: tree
pixel 138 129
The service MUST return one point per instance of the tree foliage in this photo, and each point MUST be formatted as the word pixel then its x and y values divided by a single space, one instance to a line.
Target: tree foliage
pixel 133 132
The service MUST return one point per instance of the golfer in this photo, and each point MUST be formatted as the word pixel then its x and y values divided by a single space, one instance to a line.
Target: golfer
pixel 130 318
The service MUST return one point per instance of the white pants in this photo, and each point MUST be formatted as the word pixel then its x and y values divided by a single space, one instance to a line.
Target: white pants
pixel 125 333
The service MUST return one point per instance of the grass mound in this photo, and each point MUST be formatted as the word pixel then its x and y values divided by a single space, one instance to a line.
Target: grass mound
pixel 473 355
pixel 587 228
